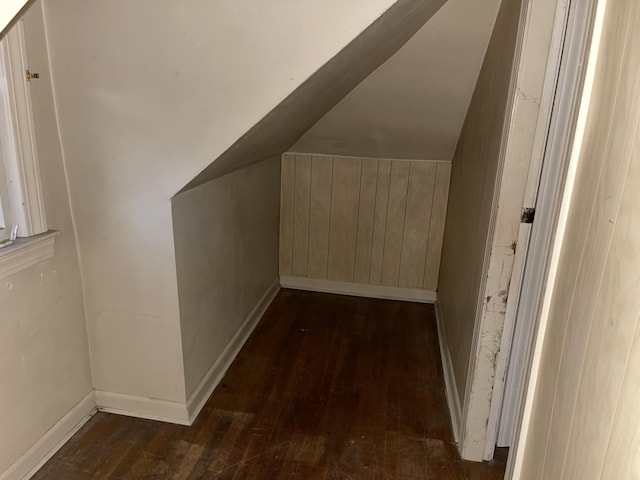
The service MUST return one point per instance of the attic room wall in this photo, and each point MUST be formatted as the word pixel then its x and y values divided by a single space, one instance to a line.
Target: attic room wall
pixel 473 181
pixel 226 237
pixel 149 94
pixel 362 221
pixel 45 370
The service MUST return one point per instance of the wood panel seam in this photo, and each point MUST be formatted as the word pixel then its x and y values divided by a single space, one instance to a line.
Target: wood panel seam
pixel 375 200
pixel 580 268
pixel 606 259
pixel 309 210
pixel 330 212
pixel 622 386
pixel 402 243
pixel 433 201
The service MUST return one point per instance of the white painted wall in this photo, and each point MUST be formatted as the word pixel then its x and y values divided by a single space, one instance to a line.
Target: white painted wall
pixel 226 237
pixel 44 357
pixel 148 95
pixel 414 105
pixel 489 177
pixel 473 179
pixel 475 174
pixel 527 122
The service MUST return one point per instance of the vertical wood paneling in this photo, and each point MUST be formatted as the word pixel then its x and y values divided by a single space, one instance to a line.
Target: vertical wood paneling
pixel 622 459
pixel 365 220
pixel 319 216
pixel 395 223
pixel 436 230
pixel 618 303
pixel 344 218
pixel 302 192
pixel 422 177
pixel 601 198
pixel 614 325
pixel 565 348
pixel 585 415
pixel 287 185
pixel 380 221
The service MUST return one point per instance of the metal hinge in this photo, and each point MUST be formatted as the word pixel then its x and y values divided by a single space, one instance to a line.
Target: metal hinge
pixel 31 75
pixel 528 214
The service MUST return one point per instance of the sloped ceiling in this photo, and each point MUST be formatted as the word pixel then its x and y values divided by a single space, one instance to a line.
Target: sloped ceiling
pixel 9 10
pixel 414 105
pixel 279 129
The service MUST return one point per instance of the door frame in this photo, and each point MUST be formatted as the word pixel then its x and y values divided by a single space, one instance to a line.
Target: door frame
pixel 509 348
pixel 562 151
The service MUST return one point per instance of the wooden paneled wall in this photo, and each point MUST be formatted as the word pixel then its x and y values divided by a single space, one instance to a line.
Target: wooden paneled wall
pixel 361 220
pixel 585 419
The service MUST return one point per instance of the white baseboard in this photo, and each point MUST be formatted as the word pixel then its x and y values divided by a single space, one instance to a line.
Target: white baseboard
pixel 34 458
pixel 451 389
pixel 134 406
pixel 142 407
pixel 186 413
pixel 213 377
pixel 359 290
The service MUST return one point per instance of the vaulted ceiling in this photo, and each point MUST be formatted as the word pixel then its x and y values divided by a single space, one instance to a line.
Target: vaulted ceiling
pixel 8 11
pixel 414 105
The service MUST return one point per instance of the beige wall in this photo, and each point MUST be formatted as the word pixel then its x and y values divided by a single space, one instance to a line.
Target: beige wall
pixel 523 147
pixel 44 357
pixel 584 423
pixel 473 181
pixel 414 105
pixel 141 113
pixel 366 221
pixel 226 237
pixel 149 94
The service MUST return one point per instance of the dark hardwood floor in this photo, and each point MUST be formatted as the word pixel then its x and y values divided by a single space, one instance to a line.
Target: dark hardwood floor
pixel 327 387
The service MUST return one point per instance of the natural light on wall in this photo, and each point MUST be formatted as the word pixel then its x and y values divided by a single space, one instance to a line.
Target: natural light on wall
pixel 22 211
pixel 21 200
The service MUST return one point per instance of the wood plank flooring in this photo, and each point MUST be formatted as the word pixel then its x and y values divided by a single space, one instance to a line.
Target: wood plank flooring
pixel 327 387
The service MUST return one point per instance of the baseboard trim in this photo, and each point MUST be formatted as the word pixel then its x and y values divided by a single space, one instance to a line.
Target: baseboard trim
pixel 33 459
pixel 213 377
pixel 142 407
pixel 354 157
pixel 451 389
pixel 359 290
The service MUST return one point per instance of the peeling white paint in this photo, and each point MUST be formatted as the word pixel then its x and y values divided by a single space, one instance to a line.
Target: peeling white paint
pixel 523 128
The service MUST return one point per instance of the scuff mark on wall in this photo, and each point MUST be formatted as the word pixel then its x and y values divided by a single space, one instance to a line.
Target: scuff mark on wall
pixel 521 161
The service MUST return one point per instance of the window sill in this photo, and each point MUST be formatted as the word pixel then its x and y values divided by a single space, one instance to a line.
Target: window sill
pixel 26 252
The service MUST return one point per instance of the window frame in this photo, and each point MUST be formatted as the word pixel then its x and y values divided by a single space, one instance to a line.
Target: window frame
pixel 21 196
pixel 6 216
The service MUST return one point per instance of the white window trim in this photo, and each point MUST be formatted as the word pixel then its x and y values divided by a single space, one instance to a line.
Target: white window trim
pixel 6 217
pixel 26 252
pixel 17 131
pixel 21 195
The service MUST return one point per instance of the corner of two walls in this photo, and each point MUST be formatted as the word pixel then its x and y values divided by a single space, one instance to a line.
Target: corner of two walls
pixel 486 202
pixel 127 317
pixel 226 244
pixel 362 225
pixel 45 372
